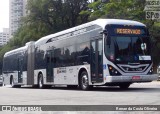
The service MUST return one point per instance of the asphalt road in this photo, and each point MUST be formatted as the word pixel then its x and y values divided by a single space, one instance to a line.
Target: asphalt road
pixel 137 94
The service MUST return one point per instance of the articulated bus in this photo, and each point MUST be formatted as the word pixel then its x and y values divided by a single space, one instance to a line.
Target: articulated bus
pixel 108 52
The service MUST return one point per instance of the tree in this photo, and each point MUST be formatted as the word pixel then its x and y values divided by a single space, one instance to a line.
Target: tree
pixel 56 15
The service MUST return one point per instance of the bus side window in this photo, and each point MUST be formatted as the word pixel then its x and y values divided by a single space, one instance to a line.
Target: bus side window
pixel 83 51
pixel 69 56
pixel 59 57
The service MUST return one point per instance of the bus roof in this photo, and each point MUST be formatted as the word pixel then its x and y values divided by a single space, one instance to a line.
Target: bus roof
pixel 100 22
pixel 15 51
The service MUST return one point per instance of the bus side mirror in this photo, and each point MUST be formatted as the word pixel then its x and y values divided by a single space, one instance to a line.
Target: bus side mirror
pixel 103 32
pixel 108 39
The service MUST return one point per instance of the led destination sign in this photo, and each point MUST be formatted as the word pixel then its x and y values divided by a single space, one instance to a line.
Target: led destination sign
pixel 128 31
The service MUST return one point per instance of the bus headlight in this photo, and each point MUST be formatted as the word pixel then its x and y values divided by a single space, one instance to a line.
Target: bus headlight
pixel 113 71
pixel 151 71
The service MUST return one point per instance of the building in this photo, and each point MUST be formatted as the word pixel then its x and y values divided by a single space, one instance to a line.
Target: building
pixel 4 36
pixel 17 9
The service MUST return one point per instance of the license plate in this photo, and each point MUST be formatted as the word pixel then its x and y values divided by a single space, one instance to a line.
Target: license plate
pixel 136 78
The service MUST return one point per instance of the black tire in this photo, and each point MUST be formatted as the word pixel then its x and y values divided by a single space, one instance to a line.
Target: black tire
pixel 13 85
pixel 40 82
pixel 84 82
pixel 124 86
pixel 1 85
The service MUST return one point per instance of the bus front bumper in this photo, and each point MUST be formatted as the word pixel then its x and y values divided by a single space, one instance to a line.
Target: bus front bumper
pixel 133 78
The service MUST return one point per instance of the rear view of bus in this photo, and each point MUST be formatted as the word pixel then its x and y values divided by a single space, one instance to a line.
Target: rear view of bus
pixel 127 54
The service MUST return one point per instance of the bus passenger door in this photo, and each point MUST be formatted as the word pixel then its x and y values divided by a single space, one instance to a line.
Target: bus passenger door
pixel 49 66
pixel 96 61
pixel 20 69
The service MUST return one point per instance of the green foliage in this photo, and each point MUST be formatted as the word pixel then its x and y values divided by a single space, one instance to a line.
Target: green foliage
pixel 56 15
pixel 117 9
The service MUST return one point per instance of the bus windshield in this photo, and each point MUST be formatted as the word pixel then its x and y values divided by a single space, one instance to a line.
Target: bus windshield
pixel 129 49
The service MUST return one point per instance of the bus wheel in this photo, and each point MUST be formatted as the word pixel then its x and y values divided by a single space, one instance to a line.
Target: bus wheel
pixel 124 86
pixel 40 81
pixel 84 83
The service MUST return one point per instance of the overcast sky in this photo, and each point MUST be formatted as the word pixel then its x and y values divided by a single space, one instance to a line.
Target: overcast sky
pixel 4 14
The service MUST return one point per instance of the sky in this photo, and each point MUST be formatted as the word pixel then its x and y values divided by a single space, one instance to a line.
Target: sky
pixel 4 14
